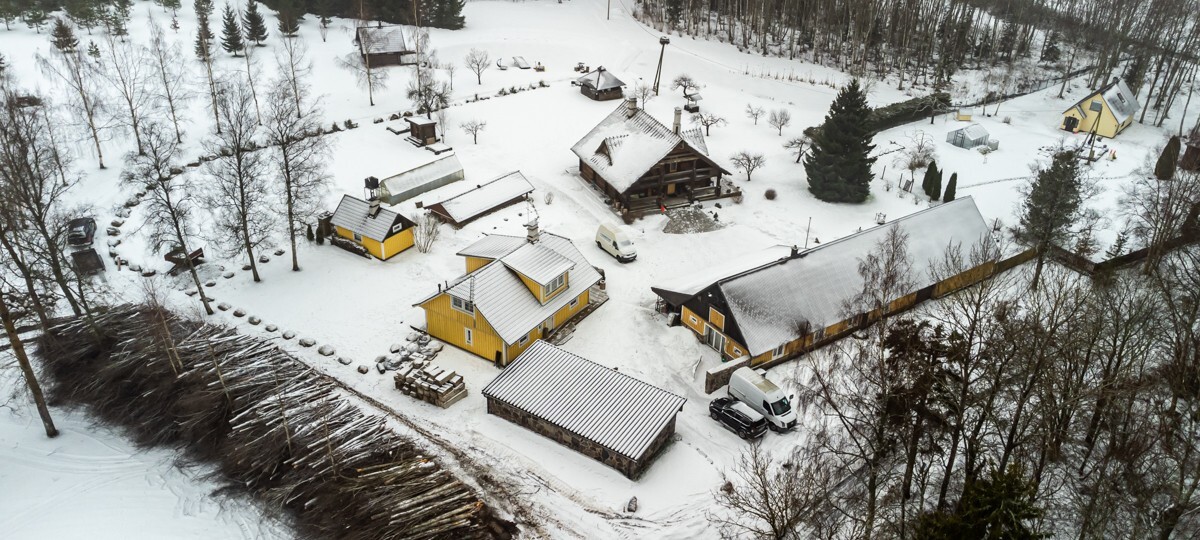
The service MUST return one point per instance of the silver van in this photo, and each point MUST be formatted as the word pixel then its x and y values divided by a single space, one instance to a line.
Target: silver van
pixel 613 240
pixel 750 387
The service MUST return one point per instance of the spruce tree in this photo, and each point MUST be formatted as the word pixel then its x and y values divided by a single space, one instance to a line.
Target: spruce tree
pixel 289 18
pixel 936 192
pixel 1053 205
pixel 84 13
pixel 1003 505
pixel 1168 160
pixel 204 35
pixel 116 18
pixel 446 14
pixel 927 181
pixel 951 188
pixel 93 50
pixel 231 33
pixel 8 12
pixel 63 36
pixel 253 24
pixel 839 162
pixel 35 18
pixel 1050 49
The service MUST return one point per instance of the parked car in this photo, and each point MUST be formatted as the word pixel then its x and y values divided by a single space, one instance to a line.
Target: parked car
pixel 753 389
pixel 615 242
pixel 738 417
pixel 81 232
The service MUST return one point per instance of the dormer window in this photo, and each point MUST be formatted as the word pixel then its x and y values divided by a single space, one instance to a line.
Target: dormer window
pixel 462 305
pixel 556 283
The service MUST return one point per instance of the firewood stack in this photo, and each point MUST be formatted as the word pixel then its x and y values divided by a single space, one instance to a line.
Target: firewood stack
pixel 430 383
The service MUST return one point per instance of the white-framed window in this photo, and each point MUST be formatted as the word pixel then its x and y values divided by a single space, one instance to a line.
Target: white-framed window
pixel 357 237
pixel 574 302
pixel 556 283
pixel 462 305
pixel 737 351
pixel 778 352
pixel 397 227
pixel 469 336
pixel 693 319
pixel 524 340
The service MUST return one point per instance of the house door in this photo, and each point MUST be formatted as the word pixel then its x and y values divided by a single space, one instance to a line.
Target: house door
pixel 1070 123
pixel 547 326
pixel 671 189
pixel 714 339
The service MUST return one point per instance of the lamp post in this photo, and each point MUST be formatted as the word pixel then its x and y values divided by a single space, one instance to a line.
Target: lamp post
pixel 658 75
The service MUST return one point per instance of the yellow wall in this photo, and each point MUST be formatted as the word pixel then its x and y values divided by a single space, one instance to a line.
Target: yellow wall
pixel 1107 122
pixel 733 349
pixel 540 292
pixel 560 318
pixel 448 324
pixel 475 263
pixel 385 250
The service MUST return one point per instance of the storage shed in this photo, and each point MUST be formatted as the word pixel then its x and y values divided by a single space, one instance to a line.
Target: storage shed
pixel 383 233
pixel 609 416
pixel 385 46
pixel 422 131
pixel 435 174
pixel 487 197
pixel 600 85
pixel 968 137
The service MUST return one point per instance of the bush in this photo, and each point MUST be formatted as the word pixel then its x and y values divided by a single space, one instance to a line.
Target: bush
pixel 770 194
pixel 1007 120
pixel 549 197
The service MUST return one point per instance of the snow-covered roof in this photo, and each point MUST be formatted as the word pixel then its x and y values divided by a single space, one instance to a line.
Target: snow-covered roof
pixel 492 247
pixel 505 301
pixel 353 215
pixel 485 197
pixel 769 303
pixel 600 79
pixel 1119 97
pixel 420 120
pixel 974 132
pixel 623 146
pixel 537 262
pixel 432 175
pixel 607 407
pixel 680 287
pixel 382 40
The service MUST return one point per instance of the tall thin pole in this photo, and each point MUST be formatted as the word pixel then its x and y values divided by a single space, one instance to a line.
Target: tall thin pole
pixel 807 230
pixel 610 10
pixel 658 75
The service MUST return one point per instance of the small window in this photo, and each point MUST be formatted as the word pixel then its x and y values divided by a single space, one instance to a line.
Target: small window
pixel 779 351
pixel 469 336
pixel 357 237
pixel 462 305
pixel 1120 97
pixel 737 351
pixel 524 340
pixel 693 319
pixel 397 227
pixel 574 302
pixel 557 283
pixel 673 167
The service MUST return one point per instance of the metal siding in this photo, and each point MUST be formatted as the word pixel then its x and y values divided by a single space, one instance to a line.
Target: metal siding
pixel 486 197
pixel 351 214
pixel 537 262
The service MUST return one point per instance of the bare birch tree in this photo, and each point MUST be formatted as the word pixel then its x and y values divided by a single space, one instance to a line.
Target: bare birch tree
pixel 31 382
pixel 299 152
pixel 360 65
pixel 128 71
pixel 171 74
pixel 77 74
pixel 294 67
pixel 478 61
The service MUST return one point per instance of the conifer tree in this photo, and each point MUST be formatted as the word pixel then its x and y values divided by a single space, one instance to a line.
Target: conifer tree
pixel 446 14
pixel 1001 506
pixel 8 12
pixel 204 35
pixel 1053 205
pixel 231 33
pixel 927 180
pixel 839 162
pixel 84 13
pixel 1168 160
pixel 35 18
pixel 253 24
pixel 1051 51
pixel 289 18
pixel 116 18
pixel 63 36
pixel 93 50
pixel 951 188
pixel 936 192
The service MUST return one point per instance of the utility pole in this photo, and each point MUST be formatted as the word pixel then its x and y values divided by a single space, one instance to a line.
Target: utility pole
pixel 658 75
pixel 609 9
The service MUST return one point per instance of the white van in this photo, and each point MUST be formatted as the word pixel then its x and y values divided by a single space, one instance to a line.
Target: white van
pixel 751 388
pixel 612 239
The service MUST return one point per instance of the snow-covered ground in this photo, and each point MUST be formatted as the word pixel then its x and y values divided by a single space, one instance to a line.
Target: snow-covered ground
pixel 362 306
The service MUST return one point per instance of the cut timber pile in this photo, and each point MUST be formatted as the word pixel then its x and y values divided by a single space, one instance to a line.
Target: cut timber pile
pixel 431 384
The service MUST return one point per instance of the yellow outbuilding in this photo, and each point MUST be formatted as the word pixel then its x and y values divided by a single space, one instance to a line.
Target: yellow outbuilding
pixel 382 232
pixel 1105 112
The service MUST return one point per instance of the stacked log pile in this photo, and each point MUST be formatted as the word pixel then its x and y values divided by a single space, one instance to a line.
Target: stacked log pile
pixel 430 383
pixel 276 428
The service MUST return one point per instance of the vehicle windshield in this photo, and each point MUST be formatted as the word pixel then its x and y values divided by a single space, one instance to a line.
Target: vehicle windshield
pixel 781 407
pixel 625 243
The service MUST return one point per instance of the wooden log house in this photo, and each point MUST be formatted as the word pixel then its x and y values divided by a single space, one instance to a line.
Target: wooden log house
pixel 641 164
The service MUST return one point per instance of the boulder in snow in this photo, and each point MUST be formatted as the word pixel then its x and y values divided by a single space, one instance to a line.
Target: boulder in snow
pixel 363 369
pixel 150 272
pixel 227 275
pixel 223 306
pixel 307 342
pixel 326 350
pixel 412 336
pixel 288 334
pixel 396 347
pixel 254 320
pixel 264 259
pixel 632 505
pixel 344 361
pixel 270 328
pixel 239 313
pixel 279 252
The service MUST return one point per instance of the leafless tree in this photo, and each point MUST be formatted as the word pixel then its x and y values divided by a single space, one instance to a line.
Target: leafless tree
pixel 473 127
pixel 708 120
pixel 918 153
pixel 427 93
pixel 1157 211
pixel 252 67
pixel 748 162
pixel 171 74
pixel 299 152
pixel 170 212
pixel 642 92
pixel 238 194
pixel 779 119
pixel 294 67
pixel 754 113
pixel 371 79
pixel 426 233
pixel 128 71
pixel 204 49
pixel 799 146
pixel 443 116
pixel 18 348
pixel 450 68
pixel 686 84
pixel 77 74
pixel 764 497
pixel 478 60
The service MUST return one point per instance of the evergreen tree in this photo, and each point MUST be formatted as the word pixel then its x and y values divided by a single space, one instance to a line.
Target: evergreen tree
pixel 204 8
pixel 93 50
pixel 839 162
pixel 1053 205
pixel 1168 160
pixel 446 14
pixel 9 11
pixel 116 18
pixel 936 191
pixel 172 5
pixel 951 188
pixel 674 11
pixel 289 18
pixel 1008 40
pixel 84 13
pixel 63 36
pixel 1135 73
pixel 1050 49
pixel 927 181
pixel 231 33
pixel 35 18
pixel 1000 507
pixel 253 24
pixel 204 35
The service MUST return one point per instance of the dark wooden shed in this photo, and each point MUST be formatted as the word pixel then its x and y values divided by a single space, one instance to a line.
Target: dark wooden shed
pixel 385 46
pixel 601 85
pixel 422 131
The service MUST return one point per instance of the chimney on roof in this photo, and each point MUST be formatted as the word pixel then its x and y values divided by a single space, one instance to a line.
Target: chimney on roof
pixel 531 231
pixel 795 251
pixel 630 107
pixel 371 185
pixel 678 119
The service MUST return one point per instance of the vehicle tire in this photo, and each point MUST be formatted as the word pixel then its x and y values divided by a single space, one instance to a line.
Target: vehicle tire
pixel 743 435
pixel 712 414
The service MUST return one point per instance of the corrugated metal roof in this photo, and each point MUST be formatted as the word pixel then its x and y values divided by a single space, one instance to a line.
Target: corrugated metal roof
pixel 600 79
pixel 537 262
pixel 351 214
pixel 492 246
pixel 621 148
pixel 432 175
pixel 614 410
pixel 381 40
pixel 507 304
pixel 485 197
pixel 722 266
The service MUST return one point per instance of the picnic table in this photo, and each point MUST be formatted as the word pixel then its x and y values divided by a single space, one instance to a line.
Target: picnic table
pixel 175 257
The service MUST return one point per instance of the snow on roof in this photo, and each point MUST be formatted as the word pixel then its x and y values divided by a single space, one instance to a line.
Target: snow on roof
pixel 506 302
pixel 607 407
pixel 600 79
pixel 420 121
pixel 416 181
pixel 621 148
pixel 537 262
pixel 492 247
pixel 974 132
pixel 1119 97
pixel 688 285
pixel 352 214
pixel 485 197
pixel 382 40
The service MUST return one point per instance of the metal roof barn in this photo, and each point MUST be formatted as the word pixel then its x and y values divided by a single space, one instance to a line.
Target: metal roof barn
pixel 614 418
pixel 485 198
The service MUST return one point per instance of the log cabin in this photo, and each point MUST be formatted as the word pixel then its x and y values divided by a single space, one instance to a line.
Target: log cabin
pixel 601 85
pixel 640 164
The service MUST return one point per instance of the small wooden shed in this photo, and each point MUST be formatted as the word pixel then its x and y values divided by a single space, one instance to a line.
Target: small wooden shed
pixel 422 131
pixel 384 46
pixel 601 85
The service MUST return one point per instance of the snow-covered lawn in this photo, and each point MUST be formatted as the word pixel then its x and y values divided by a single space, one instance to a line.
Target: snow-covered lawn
pixel 363 306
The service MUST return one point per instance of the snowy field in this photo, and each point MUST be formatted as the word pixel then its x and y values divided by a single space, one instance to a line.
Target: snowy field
pixel 363 306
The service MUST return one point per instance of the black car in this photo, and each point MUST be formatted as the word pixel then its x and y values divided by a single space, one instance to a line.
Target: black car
pixel 81 231
pixel 738 417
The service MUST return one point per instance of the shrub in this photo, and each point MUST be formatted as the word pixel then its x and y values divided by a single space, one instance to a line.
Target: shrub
pixel 549 197
pixel 770 194
pixel 1007 120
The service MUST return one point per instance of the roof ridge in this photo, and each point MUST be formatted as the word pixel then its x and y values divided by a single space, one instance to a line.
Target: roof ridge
pixel 597 365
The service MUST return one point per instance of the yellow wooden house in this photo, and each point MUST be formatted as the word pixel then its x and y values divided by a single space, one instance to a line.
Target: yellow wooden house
pixel 516 290
pixel 382 232
pixel 1104 112
pixel 782 302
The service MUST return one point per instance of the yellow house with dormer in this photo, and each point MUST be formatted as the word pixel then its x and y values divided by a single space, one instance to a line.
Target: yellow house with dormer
pixel 1105 112
pixel 515 291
